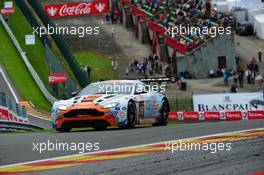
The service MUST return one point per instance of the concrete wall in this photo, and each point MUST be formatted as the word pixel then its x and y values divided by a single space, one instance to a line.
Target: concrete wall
pixel 206 57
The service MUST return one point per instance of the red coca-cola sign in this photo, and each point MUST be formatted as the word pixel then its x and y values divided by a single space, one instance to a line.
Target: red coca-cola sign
pixel 76 9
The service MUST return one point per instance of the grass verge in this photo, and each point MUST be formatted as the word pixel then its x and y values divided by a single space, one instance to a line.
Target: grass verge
pixel 101 67
pixel 35 53
pixel 18 73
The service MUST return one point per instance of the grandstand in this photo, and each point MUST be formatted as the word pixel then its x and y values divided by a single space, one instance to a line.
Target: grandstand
pixel 176 31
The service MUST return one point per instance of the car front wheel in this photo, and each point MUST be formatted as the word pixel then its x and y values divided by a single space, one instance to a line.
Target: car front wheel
pixel 131 115
pixel 164 114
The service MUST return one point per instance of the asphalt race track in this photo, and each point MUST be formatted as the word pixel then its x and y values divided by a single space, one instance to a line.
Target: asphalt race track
pixel 245 157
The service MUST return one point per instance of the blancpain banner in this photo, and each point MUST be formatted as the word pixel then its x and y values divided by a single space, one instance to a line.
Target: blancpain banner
pixel 229 102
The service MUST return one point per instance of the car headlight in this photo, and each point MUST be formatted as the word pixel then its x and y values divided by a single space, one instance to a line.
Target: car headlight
pixel 111 105
pixel 62 107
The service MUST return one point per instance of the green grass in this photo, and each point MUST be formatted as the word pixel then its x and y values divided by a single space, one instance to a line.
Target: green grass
pixel 181 104
pixel 101 67
pixel 18 73
pixel 35 53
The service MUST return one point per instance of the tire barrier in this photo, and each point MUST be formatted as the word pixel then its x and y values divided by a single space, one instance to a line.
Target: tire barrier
pixel 216 115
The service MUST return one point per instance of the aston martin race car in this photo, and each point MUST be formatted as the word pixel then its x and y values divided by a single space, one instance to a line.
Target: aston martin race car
pixel 123 103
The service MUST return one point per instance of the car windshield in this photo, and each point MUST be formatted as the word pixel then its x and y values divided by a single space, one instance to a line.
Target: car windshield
pixel 107 88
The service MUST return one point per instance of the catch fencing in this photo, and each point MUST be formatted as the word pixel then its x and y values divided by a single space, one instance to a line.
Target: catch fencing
pixel 81 74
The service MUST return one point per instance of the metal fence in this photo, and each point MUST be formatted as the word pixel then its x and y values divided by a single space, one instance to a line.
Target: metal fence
pixel 81 75
pixel 11 105
pixel 56 67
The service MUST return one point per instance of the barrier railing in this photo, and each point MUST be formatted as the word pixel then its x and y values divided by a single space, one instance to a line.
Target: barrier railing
pixel 14 116
pixel 11 111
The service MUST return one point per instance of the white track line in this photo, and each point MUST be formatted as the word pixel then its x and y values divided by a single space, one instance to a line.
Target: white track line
pixel 9 85
pixel 128 147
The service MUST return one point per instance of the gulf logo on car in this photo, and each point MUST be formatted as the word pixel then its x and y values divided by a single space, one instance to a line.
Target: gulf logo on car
pixel 155 105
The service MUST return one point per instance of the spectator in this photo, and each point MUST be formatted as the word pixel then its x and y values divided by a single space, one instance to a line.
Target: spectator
pixel 252 77
pixel 253 61
pixel 241 78
pixel 211 73
pixel 248 75
pixel 226 76
pixel 233 88
pixel 168 71
pixel 235 79
pixel 259 56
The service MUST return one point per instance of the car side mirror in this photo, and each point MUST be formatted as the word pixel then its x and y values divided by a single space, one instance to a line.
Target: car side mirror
pixel 74 93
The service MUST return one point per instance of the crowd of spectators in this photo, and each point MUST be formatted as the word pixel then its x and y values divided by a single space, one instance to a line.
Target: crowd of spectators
pixel 236 77
pixel 149 66
pixel 198 14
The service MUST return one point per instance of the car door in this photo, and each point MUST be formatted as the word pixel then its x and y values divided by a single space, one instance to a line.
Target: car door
pixel 143 100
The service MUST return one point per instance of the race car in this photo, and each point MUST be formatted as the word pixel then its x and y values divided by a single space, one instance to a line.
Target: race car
pixel 123 103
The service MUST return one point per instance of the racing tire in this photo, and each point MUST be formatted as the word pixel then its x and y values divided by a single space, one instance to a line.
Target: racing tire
pixel 131 115
pixel 63 129
pixel 164 114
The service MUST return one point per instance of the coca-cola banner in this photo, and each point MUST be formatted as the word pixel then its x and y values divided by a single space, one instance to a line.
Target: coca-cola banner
pixel 76 9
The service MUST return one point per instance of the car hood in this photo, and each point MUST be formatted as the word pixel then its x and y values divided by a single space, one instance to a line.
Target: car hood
pixel 100 99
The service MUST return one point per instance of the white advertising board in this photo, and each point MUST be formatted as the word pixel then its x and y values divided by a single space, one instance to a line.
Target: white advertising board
pixel 228 102
pixel 30 39
pixel 8 4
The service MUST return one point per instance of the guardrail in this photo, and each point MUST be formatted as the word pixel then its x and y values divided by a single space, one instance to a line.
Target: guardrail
pixel 18 126
pixel 32 71
pixel 13 115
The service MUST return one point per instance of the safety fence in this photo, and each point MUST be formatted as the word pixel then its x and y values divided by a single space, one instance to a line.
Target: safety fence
pixel 216 115
pixel 81 74
pixel 11 111
pixel 55 66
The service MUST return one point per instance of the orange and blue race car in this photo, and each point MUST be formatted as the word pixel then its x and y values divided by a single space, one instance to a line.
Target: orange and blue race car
pixel 123 103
